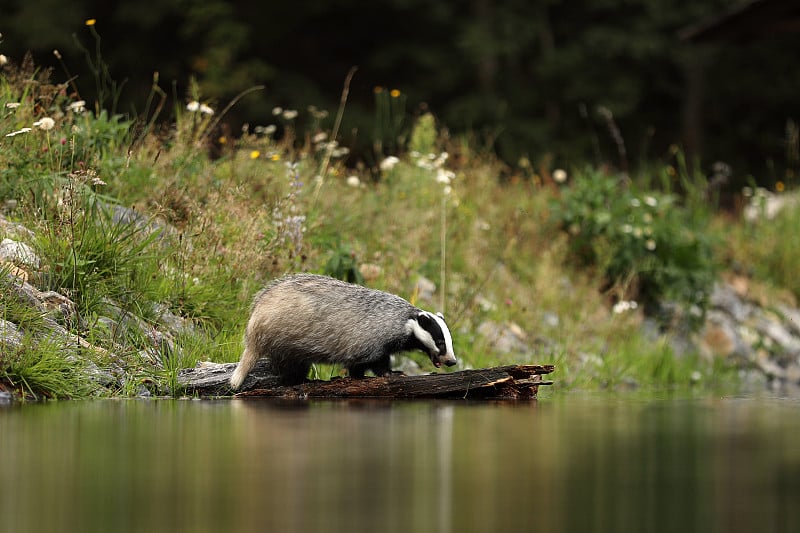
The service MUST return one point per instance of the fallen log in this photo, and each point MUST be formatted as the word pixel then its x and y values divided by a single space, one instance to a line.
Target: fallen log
pixel 518 382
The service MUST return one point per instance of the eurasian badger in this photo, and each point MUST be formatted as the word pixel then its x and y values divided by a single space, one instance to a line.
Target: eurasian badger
pixel 302 319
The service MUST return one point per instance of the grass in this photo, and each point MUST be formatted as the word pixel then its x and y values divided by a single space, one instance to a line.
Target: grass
pixel 214 230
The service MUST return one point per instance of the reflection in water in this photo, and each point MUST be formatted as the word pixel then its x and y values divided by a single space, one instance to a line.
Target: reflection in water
pixel 566 463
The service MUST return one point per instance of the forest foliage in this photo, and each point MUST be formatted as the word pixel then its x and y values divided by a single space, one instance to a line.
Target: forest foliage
pixel 549 81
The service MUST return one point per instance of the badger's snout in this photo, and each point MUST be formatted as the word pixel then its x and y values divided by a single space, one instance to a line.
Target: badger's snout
pixel 447 359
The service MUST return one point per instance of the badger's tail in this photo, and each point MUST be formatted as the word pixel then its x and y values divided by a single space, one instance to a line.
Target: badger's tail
pixel 249 358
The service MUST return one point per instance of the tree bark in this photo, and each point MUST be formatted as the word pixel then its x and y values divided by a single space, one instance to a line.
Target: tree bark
pixel 518 382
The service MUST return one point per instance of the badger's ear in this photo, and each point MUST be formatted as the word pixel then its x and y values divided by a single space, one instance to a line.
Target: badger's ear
pixel 440 315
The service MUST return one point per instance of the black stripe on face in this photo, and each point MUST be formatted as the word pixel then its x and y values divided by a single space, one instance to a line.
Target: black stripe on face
pixel 431 325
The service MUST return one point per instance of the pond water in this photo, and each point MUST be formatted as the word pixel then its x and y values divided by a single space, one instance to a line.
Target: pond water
pixel 567 462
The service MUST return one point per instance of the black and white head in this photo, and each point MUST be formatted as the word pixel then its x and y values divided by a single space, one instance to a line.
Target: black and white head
pixel 434 337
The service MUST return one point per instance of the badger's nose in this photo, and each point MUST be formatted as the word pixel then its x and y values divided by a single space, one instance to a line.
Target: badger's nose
pixel 450 362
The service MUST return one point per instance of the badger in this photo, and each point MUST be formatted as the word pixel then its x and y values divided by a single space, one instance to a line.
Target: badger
pixel 302 319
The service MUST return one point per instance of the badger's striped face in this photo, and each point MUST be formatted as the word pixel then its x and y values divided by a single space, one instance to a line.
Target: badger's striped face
pixel 432 332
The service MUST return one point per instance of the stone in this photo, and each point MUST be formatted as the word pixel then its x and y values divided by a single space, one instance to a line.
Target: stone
pixel 19 253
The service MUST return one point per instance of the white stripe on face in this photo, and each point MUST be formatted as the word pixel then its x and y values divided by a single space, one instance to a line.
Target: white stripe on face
pixel 448 338
pixel 423 336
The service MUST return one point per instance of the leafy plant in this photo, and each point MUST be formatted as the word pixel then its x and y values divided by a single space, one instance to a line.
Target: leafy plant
pixel 646 246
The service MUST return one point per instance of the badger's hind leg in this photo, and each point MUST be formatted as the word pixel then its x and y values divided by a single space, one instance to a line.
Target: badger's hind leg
pixel 291 373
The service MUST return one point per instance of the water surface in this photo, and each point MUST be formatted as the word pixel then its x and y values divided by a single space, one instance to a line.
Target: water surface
pixel 568 462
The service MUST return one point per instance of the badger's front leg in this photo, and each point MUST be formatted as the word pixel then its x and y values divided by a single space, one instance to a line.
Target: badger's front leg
pixel 379 367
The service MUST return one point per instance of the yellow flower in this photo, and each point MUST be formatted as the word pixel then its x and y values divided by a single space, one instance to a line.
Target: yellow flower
pixel 91 22
pixel 378 89
pixel 222 140
pixel 255 154
pixel 276 157
pixel 779 186
pixel 395 93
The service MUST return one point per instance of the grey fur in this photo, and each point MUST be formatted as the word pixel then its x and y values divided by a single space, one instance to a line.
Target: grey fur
pixel 302 319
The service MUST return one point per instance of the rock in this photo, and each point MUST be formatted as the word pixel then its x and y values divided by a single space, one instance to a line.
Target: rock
pixel 425 289
pixel 19 253
pixel 504 338
pixel 10 335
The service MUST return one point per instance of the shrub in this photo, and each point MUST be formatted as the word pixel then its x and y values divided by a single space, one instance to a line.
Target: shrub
pixel 646 246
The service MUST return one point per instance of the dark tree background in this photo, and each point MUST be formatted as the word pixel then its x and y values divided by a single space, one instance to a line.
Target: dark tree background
pixel 529 77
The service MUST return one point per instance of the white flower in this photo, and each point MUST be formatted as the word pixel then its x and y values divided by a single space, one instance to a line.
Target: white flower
pixel 444 176
pixel 650 244
pixel 290 114
pixel 340 152
pixel 193 106
pixel 447 190
pixel 624 305
pixel 77 107
pixel 45 123
pixel 389 163
pixel 635 202
pixel 3 60
pixel 277 110
pixel 319 137
pixel 15 133
pixel 269 130
pixel 353 181
pixel 651 201
pixel 12 105
pixel 206 110
pixel 560 175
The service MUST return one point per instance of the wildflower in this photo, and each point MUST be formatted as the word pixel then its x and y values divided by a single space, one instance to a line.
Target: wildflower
pixel 255 154
pixel 635 202
pixel 206 110
pixel 193 106
pixel 779 186
pixel 444 176
pixel 275 157
pixel 377 89
pixel 12 105
pixel 650 244
pixel 15 133
pixel 651 201
pixel 78 106
pixel 353 181
pixel 560 175
pixel 91 22
pixel 627 228
pixel 269 130
pixel 45 123
pixel 394 93
pixel 3 60
pixel 290 114
pixel 447 190
pixel 319 137
pixel 222 140
pixel 277 110
pixel 624 305
pixel 389 163
pixel 340 152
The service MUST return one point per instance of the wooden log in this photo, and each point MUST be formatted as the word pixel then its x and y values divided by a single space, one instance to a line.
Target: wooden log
pixel 503 382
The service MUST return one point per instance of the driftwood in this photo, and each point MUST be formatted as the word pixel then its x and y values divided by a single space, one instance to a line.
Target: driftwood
pixel 503 382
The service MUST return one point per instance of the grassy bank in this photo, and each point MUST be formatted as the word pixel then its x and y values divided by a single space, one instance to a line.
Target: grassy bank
pixel 570 261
